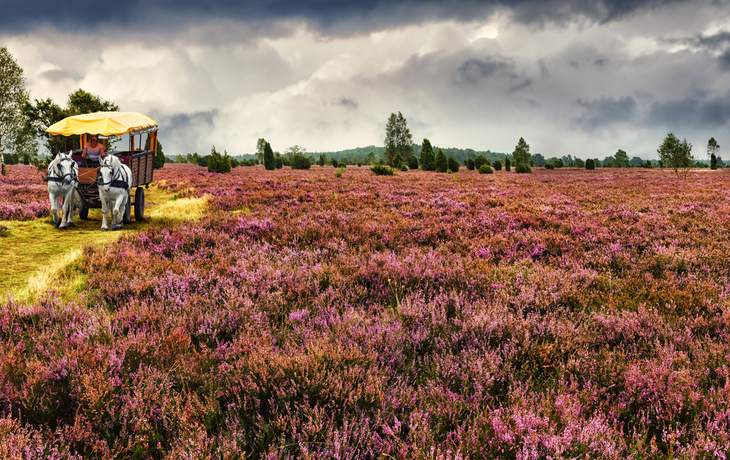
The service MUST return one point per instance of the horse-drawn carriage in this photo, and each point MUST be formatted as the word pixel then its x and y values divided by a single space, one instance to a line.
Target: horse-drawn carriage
pixel 142 133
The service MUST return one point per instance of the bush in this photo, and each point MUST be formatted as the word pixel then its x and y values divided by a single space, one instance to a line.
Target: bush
pixel 279 163
pixel 522 168
pixel 403 167
pixel 470 164
pixel 382 170
pixel 549 166
pixel 506 164
pixel 486 169
pixel 299 161
pixel 559 163
pixel 441 163
pixel 322 159
pixel 412 163
pixel 218 163
pixel 453 165
pixel 590 165
pixel 339 171
pixel 335 163
pixel 497 165
pixel 479 161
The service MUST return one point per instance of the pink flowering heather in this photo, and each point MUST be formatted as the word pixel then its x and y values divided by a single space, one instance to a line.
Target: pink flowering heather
pixel 23 194
pixel 559 314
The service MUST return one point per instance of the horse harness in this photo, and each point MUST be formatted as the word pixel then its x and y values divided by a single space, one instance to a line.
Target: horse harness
pixel 62 177
pixel 116 181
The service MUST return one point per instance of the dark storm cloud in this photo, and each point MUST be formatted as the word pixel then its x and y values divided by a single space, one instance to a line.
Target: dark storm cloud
pixel 696 112
pixel 725 60
pixel 475 71
pixel 329 15
pixel 186 128
pixel 606 111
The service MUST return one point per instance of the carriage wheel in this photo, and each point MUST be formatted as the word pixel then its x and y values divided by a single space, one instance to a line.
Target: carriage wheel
pixel 83 211
pixel 127 218
pixel 139 204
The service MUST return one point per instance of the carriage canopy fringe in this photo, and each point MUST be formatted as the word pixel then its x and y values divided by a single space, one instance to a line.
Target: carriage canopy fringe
pixel 104 123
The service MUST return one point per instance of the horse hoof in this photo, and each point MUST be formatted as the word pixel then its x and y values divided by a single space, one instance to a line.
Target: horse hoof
pixel 116 227
pixel 104 229
pixel 71 225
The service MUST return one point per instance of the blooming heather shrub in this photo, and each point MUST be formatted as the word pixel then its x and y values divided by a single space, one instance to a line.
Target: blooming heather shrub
pixel 23 194
pixel 527 316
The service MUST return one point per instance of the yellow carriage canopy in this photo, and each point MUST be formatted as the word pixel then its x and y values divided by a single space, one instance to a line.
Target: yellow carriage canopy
pixel 104 124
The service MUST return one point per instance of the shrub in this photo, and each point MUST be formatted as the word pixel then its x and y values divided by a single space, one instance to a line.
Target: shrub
pixel 428 158
pixel 590 165
pixel 269 161
pixel 299 161
pixel 279 162
pixel 549 166
pixel 486 169
pixel 506 164
pixel 403 167
pixel 522 168
pixel 335 163
pixel 453 165
pixel 470 164
pixel 479 161
pixel 559 163
pixel 441 163
pixel 497 165
pixel 412 163
pixel 339 171
pixel 217 163
pixel 382 170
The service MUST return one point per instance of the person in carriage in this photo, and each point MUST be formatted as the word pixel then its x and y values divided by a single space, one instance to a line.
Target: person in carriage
pixel 93 151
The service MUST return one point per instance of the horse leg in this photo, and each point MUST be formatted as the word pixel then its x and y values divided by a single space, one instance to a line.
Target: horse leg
pixel 54 209
pixel 67 220
pixel 104 210
pixel 119 207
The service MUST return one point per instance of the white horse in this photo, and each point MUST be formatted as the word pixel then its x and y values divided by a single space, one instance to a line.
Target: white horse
pixel 115 185
pixel 63 179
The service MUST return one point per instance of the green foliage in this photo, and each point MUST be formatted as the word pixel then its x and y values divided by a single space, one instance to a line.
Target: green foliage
pixel 235 163
pixel 713 161
pixel 382 170
pixel 621 159
pixel 398 139
pixel 479 161
pixel 713 151
pixel 261 150
pixel 43 113
pixel 507 164
pixel 218 163
pixel 397 161
pixel 339 171
pixel 470 164
pixel 428 158
pixel 322 159
pixel 334 162
pixel 498 165
pixel 299 161
pixel 522 157
pixel 676 154
pixel 441 163
pixel 403 167
pixel 453 165
pixel 278 161
pixel 269 161
pixel 486 169
pixel 558 163
pixel 549 166
pixel 294 150
pixel 15 135
pixel 412 163
pixel 590 164
pixel 160 160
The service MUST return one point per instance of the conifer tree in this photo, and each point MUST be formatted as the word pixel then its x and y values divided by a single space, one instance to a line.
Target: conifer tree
pixel 441 163
pixel 428 158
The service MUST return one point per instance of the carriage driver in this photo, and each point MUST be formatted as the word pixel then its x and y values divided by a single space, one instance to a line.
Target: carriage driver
pixel 93 151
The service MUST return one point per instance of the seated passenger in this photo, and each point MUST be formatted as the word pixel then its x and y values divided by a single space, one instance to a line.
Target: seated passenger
pixel 93 151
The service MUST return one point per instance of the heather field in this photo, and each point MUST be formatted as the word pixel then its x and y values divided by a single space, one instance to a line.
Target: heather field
pixel 559 314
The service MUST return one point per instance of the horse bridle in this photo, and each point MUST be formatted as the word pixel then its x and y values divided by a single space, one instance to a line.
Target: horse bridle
pixel 61 177
pixel 114 178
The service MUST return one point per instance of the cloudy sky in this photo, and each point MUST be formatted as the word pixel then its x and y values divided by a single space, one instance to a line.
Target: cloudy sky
pixel 570 76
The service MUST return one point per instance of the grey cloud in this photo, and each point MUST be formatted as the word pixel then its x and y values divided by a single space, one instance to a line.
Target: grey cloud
pixel 186 129
pixel 331 16
pixel 725 60
pixel 695 111
pixel 56 75
pixel 606 111
pixel 349 103
pixel 475 71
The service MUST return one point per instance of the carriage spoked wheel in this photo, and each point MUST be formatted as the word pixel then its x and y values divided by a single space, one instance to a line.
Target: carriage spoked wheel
pixel 83 211
pixel 139 204
pixel 127 217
